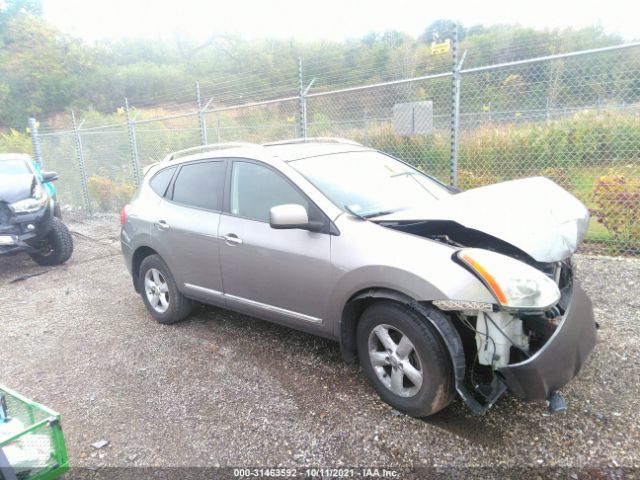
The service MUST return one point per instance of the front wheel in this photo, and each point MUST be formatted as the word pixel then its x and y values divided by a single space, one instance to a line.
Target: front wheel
pixel 57 245
pixel 405 359
pixel 160 292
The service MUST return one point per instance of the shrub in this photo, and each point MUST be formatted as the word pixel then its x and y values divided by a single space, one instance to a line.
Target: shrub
pixel 124 193
pixel 616 200
pixel 108 196
pixel 15 142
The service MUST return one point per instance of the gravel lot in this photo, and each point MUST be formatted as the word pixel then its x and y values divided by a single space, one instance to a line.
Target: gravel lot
pixel 222 389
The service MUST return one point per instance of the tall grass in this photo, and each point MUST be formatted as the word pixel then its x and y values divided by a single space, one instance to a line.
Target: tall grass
pixel 504 151
pixel 575 152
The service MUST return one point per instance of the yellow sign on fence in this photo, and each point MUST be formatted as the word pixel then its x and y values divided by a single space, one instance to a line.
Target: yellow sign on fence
pixel 442 47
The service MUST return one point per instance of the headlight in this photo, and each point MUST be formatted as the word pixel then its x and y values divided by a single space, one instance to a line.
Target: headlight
pixel 514 284
pixel 38 200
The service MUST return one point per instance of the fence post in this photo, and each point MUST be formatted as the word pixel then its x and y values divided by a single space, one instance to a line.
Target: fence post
pixel 83 171
pixel 301 103
pixel 303 100
pixel 201 120
pixel 35 141
pixel 453 174
pixel 133 144
pixel 455 106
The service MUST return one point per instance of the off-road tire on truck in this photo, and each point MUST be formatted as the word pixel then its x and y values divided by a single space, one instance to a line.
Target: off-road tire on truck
pixel 57 245
pixel 428 355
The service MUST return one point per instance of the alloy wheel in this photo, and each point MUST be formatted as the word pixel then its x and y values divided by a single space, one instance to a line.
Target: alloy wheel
pixel 157 290
pixel 395 360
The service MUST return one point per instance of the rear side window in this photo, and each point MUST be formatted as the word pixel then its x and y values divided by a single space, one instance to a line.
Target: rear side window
pixel 200 185
pixel 160 181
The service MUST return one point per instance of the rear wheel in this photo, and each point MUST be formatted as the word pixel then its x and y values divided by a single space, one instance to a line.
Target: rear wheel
pixel 160 292
pixel 405 359
pixel 56 247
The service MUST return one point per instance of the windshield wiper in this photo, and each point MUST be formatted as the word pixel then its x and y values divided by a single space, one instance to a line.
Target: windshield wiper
pixel 379 213
pixel 366 216
pixel 407 174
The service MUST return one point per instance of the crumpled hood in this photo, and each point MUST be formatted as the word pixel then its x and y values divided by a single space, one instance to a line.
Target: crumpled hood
pixel 15 187
pixel 533 214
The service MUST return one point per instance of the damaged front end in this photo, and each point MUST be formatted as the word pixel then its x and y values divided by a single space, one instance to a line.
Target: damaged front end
pixel 559 359
pixel 22 232
pixel 530 353
pixel 533 216
pixel 517 238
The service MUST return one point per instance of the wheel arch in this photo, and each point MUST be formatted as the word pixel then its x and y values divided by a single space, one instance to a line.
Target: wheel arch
pixel 353 310
pixel 138 256
pixel 441 322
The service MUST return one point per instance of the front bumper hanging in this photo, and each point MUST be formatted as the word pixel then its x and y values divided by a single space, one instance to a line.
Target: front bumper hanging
pixel 560 359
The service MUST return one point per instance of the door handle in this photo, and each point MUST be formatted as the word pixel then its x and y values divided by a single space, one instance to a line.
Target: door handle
pixel 231 239
pixel 161 225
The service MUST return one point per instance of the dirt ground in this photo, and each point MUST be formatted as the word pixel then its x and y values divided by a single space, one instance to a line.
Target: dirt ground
pixel 222 389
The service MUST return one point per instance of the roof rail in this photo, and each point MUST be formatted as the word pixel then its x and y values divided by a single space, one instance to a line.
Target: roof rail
pixel 207 148
pixel 146 169
pixel 344 141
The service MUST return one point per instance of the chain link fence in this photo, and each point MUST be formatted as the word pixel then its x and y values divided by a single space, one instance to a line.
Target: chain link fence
pixel 574 118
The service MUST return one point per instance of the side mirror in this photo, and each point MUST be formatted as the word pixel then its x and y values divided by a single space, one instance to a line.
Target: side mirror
pixel 290 215
pixel 49 177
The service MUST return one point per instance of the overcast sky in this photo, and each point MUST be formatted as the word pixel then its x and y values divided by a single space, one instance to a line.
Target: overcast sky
pixel 323 19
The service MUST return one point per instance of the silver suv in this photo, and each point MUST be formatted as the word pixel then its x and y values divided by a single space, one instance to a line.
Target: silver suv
pixel 433 291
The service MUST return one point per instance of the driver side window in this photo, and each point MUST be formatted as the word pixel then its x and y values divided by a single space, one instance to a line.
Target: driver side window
pixel 255 189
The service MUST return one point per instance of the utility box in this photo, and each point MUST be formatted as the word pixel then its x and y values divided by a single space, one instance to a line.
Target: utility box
pixel 415 118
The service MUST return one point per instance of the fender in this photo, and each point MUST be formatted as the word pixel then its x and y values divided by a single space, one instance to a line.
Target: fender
pixel 437 319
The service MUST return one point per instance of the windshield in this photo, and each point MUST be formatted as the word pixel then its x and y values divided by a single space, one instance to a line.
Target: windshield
pixel 369 184
pixel 14 167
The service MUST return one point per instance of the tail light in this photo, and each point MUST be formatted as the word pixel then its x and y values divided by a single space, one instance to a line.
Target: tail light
pixel 123 214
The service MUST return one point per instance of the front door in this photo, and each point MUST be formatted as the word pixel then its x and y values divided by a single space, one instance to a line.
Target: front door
pixel 280 275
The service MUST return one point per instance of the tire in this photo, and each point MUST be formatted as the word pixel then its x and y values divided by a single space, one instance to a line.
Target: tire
pixel 58 245
pixel 417 378
pixel 169 306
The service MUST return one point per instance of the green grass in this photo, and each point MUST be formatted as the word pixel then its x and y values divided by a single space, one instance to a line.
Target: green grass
pixel 597 233
pixel 581 185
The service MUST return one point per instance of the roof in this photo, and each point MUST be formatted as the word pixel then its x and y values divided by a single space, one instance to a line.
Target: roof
pixel 286 151
pixel 298 151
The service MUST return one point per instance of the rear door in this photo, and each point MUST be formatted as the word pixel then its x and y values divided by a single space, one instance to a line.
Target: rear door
pixel 186 229
pixel 280 275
